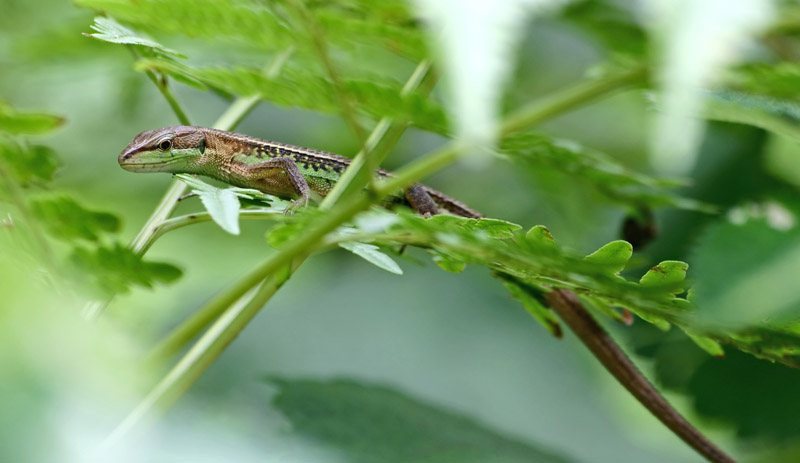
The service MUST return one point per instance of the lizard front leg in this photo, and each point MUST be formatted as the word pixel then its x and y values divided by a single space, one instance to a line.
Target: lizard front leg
pixel 280 176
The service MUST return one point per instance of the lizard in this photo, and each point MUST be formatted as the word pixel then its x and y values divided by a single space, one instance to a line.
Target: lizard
pixel 279 169
pixel 293 172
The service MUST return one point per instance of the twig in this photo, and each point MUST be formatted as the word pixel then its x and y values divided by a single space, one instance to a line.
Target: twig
pixel 595 338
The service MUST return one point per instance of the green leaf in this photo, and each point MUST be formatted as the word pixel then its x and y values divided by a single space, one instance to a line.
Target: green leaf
pixel 612 256
pixel 610 178
pixel 707 344
pixel 105 271
pixel 540 238
pixel 603 308
pixel 271 26
pixel 29 164
pixel 780 80
pixel 778 116
pixel 668 274
pixel 373 255
pixel 447 263
pixel 614 26
pixel 310 88
pixel 222 204
pixel 367 423
pixel 108 30
pixel 532 305
pixel 747 273
pixel 15 122
pixel 67 220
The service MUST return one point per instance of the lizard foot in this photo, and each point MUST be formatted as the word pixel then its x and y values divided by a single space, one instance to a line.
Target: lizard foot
pixel 296 204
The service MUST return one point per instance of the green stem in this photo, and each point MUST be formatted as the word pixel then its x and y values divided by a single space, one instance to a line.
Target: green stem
pixel 318 41
pixel 368 159
pixel 200 217
pixel 571 98
pixel 163 87
pixel 202 354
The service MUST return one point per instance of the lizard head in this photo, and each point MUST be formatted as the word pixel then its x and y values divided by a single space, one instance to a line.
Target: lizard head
pixel 171 149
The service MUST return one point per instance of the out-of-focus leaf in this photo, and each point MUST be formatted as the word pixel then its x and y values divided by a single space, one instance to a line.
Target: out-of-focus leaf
pixel 109 270
pixel 532 305
pixel 67 220
pixel 373 255
pixel 614 256
pixel 447 263
pixel 707 344
pixel 108 30
pixel 540 238
pixel 29 164
pixel 611 179
pixel 611 24
pixel 231 20
pixel 747 273
pixel 16 122
pixel 309 88
pixel 779 116
pixel 272 26
pixel 368 424
pixel 780 81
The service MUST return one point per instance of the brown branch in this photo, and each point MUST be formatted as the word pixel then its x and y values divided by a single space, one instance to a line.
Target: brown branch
pixel 594 337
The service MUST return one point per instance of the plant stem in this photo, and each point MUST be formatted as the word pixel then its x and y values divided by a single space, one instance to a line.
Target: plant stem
pixel 203 353
pixel 595 338
pixel 571 98
pixel 368 159
pixel 161 85
pixel 318 41
pixel 200 217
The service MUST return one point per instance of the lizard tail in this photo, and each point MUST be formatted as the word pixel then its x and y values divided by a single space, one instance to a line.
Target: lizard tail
pixel 451 205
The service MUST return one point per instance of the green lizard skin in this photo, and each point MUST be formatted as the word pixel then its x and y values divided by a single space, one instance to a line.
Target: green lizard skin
pixel 279 169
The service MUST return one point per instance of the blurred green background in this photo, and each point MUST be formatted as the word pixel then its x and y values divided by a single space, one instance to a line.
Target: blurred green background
pixel 458 343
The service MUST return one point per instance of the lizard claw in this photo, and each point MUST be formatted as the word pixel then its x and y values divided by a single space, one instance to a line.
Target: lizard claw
pixel 295 204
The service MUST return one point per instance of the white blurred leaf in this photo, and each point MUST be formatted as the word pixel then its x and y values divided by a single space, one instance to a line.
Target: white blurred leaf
pixel 476 41
pixel 696 39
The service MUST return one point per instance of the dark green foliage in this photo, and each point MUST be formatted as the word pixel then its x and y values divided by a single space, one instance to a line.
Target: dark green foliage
pixel 15 122
pixel 611 25
pixel 28 163
pixel 610 178
pixel 109 270
pixel 746 273
pixel 380 424
pixel 779 116
pixel 67 220
pixel 274 26
pixel 308 88
pixel 102 270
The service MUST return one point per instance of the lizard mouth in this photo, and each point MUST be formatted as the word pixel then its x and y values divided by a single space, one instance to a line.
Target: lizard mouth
pixel 137 165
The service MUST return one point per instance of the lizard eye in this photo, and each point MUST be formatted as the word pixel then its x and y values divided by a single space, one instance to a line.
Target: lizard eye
pixel 165 145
